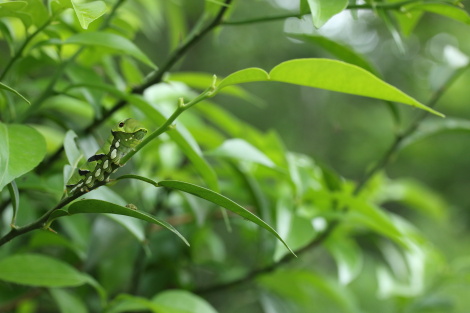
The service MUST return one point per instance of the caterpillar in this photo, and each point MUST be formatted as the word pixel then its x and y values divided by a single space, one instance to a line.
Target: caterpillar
pixel 125 136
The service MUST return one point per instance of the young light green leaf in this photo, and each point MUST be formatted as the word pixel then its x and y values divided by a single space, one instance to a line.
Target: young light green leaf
pixel 8 88
pixel 99 206
pixel 22 148
pixel 244 76
pixel 326 74
pixel 323 10
pixel 241 150
pixel 88 12
pixel 39 270
pixel 182 301
pixel 111 41
pixel 342 77
pixel 222 201
pixel 15 200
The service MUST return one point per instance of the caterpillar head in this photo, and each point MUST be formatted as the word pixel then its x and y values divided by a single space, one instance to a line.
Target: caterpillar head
pixel 129 132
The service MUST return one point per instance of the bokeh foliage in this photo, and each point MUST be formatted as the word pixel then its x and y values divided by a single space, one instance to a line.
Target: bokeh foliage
pixel 359 175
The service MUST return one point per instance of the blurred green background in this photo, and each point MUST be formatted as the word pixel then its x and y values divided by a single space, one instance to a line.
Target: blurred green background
pixel 350 133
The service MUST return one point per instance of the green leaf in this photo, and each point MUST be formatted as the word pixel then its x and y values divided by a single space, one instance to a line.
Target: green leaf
pixel 7 88
pixel 71 150
pixel 323 10
pixel 22 148
pixel 137 177
pixel 41 271
pixel 433 127
pixel 407 20
pixel 244 76
pixel 182 301
pixel 99 206
pixel 337 49
pixel 88 12
pixel 111 41
pixel 326 74
pixel 84 74
pixel 348 257
pixel 68 302
pixel 15 200
pixel 131 71
pixel 15 9
pixel 371 216
pixel 308 288
pixel 241 150
pixel 222 201
pixel 129 303
pixel 342 77
pixel 297 231
pixel 415 195
pixel 444 9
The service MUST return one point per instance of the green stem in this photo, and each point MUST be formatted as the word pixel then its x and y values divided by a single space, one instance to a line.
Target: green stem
pixel 23 46
pixel 168 123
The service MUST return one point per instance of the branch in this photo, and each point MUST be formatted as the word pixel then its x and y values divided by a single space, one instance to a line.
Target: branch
pixel 39 223
pixel 381 164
